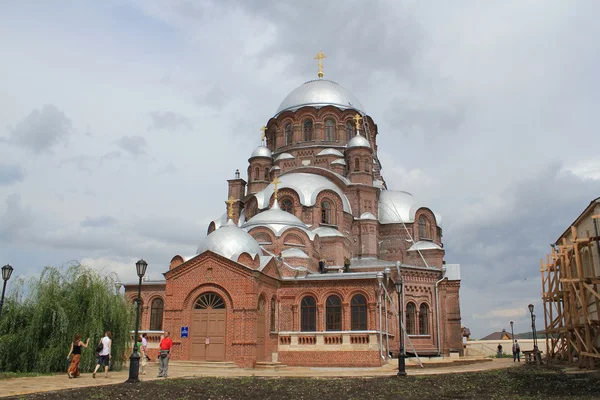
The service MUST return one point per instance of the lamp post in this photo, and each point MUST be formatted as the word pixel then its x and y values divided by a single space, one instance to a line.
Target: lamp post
pixel 6 273
pixel 134 359
pixel 535 347
pixel 512 331
pixel 401 360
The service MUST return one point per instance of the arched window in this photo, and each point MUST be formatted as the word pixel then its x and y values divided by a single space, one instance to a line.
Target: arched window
pixel 326 213
pixel 356 165
pixel 333 314
pixel 273 313
pixel 329 130
pixel 308 130
pixel 287 205
pixel 422 228
pixel 411 314
pixel 256 173
pixel 156 315
pixel 424 319
pixel 209 300
pixel 349 131
pixel 288 134
pixel 367 164
pixel 308 314
pixel 267 174
pixel 358 308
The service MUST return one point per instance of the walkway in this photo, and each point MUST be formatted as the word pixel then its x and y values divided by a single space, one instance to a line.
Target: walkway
pixel 21 386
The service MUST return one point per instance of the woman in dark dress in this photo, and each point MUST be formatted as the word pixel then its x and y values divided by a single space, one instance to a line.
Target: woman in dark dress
pixel 76 346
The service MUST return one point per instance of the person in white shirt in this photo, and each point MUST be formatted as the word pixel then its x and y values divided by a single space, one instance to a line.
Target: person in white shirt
pixel 104 354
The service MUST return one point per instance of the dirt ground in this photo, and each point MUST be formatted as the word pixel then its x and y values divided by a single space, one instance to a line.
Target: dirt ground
pixel 514 383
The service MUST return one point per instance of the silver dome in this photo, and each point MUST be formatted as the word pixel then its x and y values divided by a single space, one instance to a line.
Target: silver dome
pixel 230 241
pixel 320 93
pixel 359 141
pixel 326 231
pixel 330 152
pixel 424 245
pixel 277 220
pixel 396 207
pixel 284 156
pixel 261 151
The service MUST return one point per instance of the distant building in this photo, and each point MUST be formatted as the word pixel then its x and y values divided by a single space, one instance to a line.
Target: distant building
pixel 498 336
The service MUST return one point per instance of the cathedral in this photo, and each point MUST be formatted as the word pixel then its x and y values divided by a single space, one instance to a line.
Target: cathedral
pixel 315 262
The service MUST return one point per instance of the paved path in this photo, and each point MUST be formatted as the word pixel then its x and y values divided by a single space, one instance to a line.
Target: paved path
pixel 20 386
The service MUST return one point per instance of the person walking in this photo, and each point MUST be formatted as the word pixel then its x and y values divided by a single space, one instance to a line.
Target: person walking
pixel 499 351
pixel 165 353
pixel 143 353
pixel 516 349
pixel 76 345
pixel 103 353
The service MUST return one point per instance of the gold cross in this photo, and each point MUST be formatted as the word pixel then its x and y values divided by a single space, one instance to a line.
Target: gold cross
pixel 230 202
pixel 320 56
pixel 357 118
pixel 275 182
pixel 263 129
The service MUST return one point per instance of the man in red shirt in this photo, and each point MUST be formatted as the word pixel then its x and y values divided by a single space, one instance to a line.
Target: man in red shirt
pixel 165 353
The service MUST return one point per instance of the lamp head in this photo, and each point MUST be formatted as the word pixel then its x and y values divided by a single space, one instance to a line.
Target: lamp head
pixel 511 324
pixel 141 267
pixel 7 272
pixel 380 277
pixel 531 308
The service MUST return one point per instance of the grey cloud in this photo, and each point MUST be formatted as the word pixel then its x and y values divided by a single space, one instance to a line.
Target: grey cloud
pixel 134 145
pixel 170 168
pixel 427 119
pixel 42 129
pixel 16 220
pixel 83 163
pixel 113 155
pixel 98 222
pixel 169 120
pixel 10 173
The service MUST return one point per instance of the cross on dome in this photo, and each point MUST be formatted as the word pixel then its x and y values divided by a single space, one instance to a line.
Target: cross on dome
pixel 275 182
pixel 230 202
pixel 320 56
pixel 357 119
pixel 263 129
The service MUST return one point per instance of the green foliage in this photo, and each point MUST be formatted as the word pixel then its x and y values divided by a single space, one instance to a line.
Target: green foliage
pixel 41 316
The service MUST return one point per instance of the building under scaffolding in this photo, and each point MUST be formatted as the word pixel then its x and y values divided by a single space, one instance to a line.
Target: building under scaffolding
pixel 570 292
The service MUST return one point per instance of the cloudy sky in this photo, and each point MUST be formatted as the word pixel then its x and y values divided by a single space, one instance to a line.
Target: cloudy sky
pixel 120 122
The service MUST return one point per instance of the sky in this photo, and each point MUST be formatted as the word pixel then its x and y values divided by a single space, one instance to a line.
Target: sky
pixel 121 120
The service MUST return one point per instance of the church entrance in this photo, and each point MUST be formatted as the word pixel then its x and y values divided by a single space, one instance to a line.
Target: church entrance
pixel 207 336
pixel 260 330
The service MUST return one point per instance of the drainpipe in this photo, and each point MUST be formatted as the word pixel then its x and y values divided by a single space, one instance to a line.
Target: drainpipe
pixel 437 310
pixel 401 310
pixel 380 292
pixel 598 241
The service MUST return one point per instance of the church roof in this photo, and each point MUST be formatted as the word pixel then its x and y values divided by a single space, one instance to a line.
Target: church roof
pixel 274 216
pixel 424 245
pixel 230 241
pixel 320 93
pixel 359 141
pixel 261 151
pixel 400 207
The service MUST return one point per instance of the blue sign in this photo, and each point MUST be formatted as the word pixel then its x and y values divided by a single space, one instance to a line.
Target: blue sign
pixel 184 332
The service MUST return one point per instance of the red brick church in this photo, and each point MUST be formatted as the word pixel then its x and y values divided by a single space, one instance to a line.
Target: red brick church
pixel 302 267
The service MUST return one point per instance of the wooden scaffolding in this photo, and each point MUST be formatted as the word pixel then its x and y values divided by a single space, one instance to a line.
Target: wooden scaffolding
pixel 572 301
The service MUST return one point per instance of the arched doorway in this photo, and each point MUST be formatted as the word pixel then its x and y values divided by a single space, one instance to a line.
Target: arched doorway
pixel 207 334
pixel 260 329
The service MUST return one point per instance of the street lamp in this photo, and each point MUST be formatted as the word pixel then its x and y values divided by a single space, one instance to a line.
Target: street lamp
pixel 401 360
pixel 535 347
pixel 512 331
pixel 134 359
pixel 6 273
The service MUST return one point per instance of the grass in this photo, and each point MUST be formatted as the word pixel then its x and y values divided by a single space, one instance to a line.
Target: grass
pixel 10 375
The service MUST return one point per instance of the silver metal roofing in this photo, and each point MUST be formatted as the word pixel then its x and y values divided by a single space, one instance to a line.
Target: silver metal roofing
pixel 320 93
pixel 278 221
pixel 296 253
pixel 398 206
pixel 230 241
pixel 327 231
pixel 284 156
pixel 424 245
pixel 308 186
pixel 261 151
pixel 330 152
pixel 368 215
pixel 359 141
pixel 340 161
pixel 275 168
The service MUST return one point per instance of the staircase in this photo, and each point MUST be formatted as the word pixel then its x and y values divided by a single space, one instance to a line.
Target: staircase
pixel 205 364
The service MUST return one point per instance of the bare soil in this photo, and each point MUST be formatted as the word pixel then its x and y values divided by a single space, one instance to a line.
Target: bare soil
pixel 514 383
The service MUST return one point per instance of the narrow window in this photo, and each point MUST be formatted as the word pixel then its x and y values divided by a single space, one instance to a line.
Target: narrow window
pixel 358 308
pixel 256 174
pixel 424 319
pixel 308 314
pixel 267 174
pixel 411 311
pixel 308 130
pixel 329 130
pixel 288 134
pixel 333 314
pixel 422 228
pixel 367 163
pixel 287 205
pixel 356 165
pixel 326 212
pixel 156 315
pixel 349 131
pixel 273 313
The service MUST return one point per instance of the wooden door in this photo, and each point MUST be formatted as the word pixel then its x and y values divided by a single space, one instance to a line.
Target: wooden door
pixel 209 323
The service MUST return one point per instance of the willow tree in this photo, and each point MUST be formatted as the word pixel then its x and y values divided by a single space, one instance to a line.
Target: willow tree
pixel 41 316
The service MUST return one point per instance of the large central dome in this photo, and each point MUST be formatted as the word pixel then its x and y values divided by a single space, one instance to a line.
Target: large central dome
pixel 320 93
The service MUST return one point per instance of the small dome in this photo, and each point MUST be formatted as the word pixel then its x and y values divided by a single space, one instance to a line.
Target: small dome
pixel 400 207
pixel 330 152
pixel 261 151
pixel 320 93
pixel 359 141
pixel 339 161
pixel 284 156
pixel 368 215
pixel 327 231
pixel 274 216
pixel 424 245
pixel 230 241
